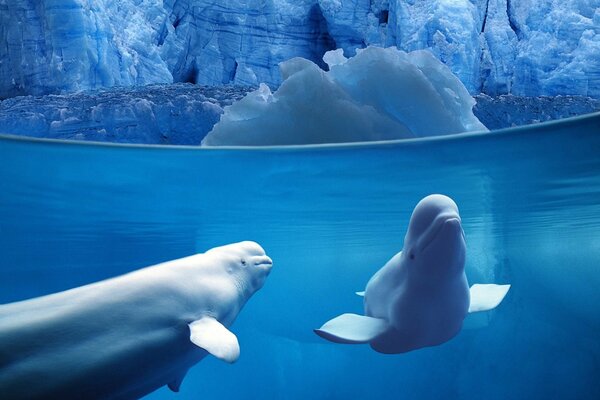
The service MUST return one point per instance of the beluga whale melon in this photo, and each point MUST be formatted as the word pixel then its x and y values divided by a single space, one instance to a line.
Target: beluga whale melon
pixel 420 297
pixel 125 337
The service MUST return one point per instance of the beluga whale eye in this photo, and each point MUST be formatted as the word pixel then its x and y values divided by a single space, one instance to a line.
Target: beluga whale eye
pixel 243 262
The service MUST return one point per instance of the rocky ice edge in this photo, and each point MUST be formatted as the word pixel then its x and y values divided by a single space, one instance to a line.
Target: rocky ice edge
pixel 379 94
pixel 185 113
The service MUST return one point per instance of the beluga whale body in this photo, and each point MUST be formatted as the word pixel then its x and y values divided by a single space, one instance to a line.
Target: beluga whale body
pixel 125 337
pixel 420 297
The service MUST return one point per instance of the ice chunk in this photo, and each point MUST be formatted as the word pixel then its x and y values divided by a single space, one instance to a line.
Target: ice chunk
pixel 379 94
pixel 334 57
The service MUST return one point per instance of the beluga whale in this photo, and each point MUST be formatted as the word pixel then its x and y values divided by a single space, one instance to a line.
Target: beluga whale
pixel 125 337
pixel 420 297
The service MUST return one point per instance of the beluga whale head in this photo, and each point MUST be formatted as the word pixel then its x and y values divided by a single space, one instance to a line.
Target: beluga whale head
pixel 435 243
pixel 245 262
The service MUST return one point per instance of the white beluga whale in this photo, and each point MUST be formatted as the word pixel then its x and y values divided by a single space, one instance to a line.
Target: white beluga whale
pixel 420 297
pixel 125 337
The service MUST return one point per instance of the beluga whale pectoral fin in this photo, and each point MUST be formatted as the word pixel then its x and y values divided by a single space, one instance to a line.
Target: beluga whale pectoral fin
pixel 361 294
pixel 176 383
pixel 212 336
pixel 352 329
pixel 486 297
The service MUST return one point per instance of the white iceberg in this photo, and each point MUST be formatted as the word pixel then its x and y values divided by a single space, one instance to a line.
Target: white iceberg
pixel 380 94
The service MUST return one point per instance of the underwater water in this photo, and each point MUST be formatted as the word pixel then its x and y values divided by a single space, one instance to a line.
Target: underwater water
pixel 330 216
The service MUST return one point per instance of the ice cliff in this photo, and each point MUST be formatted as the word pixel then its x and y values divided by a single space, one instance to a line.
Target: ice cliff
pixel 525 47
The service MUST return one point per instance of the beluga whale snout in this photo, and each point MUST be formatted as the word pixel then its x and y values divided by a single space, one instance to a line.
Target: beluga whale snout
pixel 125 337
pixel 420 297
pixel 262 261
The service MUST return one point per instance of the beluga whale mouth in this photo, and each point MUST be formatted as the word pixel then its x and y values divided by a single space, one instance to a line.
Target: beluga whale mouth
pixel 263 261
pixel 446 219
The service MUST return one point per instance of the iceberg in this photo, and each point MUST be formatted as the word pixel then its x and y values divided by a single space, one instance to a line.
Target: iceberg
pixel 527 48
pixel 380 94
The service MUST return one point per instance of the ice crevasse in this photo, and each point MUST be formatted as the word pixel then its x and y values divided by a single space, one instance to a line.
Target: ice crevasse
pixel 525 47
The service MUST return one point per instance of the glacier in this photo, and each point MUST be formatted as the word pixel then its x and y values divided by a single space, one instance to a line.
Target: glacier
pixel 379 94
pixel 525 48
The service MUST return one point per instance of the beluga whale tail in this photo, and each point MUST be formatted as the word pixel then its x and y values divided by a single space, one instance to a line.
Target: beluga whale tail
pixel 125 337
pixel 420 297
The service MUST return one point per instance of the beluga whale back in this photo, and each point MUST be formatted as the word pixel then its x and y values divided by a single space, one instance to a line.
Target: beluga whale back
pixel 125 337
pixel 420 297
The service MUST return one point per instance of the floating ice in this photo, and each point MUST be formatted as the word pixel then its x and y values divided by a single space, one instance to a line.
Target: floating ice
pixel 379 94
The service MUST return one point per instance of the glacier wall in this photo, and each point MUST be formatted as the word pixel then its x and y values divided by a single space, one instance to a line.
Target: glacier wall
pixel 68 45
pixel 525 47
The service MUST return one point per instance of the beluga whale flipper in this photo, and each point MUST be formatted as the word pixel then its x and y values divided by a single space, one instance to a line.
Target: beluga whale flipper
pixel 420 297
pixel 125 337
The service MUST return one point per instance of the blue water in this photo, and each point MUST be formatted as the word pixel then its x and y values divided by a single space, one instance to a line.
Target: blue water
pixel 330 216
